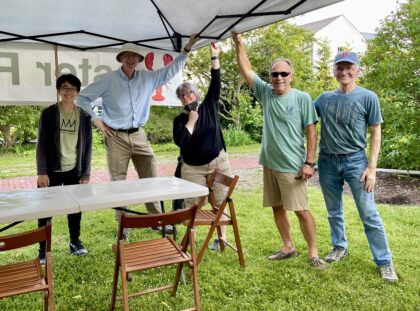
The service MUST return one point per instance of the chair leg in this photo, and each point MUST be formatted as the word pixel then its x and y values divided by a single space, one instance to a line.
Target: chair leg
pixel 194 272
pixel 124 289
pixel 46 300
pixel 237 238
pixel 206 242
pixel 50 292
pixel 219 236
pixel 177 278
pixel 115 286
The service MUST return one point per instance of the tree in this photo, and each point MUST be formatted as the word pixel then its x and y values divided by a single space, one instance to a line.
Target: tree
pixel 18 123
pixel 324 68
pixel 392 68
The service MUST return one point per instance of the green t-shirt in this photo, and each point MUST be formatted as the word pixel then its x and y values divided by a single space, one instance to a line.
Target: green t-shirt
pixel 285 119
pixel 69 133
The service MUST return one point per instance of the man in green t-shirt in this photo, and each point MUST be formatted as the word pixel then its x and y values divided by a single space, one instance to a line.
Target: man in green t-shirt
pixel 289 115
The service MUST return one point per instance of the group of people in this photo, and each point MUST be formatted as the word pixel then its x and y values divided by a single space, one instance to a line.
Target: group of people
pixel 290 115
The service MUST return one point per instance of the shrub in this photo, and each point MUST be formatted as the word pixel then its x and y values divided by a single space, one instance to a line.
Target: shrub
pixel 236 136
pixel 159 126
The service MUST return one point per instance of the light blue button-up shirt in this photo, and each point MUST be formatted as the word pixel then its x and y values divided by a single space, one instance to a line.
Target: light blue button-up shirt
pixel 126 103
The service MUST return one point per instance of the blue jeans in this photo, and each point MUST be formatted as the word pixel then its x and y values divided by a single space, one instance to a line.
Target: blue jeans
pixel 333 171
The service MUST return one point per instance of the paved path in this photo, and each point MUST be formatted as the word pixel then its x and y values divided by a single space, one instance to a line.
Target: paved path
pixel 165 168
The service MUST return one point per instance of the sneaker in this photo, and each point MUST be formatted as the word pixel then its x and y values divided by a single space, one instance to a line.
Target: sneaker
pixel 317 263
pixel 41 256
pixel 280 255
pixel 77 248
pixel 388 273
pixel 168 229
pixel 215 246
pixel 126 234
pixel 336 254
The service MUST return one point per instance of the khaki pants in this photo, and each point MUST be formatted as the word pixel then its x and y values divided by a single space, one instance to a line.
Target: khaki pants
pixel 120 149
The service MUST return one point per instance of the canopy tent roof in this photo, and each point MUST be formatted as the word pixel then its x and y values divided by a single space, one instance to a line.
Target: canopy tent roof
pixel 157 24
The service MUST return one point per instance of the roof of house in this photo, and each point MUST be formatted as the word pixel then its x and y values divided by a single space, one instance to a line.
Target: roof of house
pixel 318 25
pixel 368 35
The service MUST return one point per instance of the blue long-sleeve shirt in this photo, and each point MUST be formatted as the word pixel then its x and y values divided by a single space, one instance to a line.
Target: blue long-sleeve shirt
pixel 126 103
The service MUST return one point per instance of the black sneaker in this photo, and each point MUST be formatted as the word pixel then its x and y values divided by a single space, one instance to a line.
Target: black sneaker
pixel 168 229
pixel 77 248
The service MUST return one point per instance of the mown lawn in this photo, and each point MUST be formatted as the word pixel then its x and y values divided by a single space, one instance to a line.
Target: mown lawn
pixel 353 284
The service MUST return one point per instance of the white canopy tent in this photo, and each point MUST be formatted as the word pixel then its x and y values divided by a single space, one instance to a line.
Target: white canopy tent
pixel 152 24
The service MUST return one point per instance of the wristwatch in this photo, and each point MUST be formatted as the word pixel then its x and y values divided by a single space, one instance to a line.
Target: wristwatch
pixel 311 164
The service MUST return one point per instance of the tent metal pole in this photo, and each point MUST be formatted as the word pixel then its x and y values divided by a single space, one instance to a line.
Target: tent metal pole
pixel 56 66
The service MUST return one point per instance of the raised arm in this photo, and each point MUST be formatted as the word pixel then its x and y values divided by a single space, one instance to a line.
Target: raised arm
pixel 214 55
pixel 243 61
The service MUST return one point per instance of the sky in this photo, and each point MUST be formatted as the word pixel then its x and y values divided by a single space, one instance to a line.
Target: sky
pixel 363 14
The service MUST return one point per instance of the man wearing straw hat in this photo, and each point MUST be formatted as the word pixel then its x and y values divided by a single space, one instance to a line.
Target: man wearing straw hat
pixel 125 95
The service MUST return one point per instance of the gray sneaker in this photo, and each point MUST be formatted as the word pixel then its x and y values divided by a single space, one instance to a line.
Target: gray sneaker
pixel 215 246
pixel 336 254
pixel 280 255
pixel 388 273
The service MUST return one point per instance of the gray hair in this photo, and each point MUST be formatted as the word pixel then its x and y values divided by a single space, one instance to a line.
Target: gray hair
pixel 187 86
pixel 287 61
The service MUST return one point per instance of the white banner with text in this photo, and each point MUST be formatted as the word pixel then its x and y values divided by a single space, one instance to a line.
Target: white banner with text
pixel 28 72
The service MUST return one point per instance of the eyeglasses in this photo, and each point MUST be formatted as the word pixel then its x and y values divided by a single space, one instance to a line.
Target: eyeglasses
pixel 68 89
pixel 283 74
pixel 186 93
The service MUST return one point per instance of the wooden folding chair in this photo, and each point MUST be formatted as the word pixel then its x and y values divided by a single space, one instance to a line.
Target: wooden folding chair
pixel 27 277
pixel 143 255
pixel 213 217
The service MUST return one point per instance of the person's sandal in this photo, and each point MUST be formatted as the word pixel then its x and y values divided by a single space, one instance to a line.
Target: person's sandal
pixel 280 255
pixel 317 263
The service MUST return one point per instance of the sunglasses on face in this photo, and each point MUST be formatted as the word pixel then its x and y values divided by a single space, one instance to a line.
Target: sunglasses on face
pixel 283 74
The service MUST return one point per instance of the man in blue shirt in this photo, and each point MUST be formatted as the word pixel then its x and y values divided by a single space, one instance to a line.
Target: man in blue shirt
pixel 346 114
pixel 126 105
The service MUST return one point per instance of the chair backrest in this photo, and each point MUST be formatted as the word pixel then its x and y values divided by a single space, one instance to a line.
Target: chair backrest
pixel 229 182
pixel 27 238
pixel 157 220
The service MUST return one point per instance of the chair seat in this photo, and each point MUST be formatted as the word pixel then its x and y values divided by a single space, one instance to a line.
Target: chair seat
pixel 207 217
pixel 22 277
pixel 153 253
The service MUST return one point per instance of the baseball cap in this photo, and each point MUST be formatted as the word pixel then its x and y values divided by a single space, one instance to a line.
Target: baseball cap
pixel 350 57
pixel 129 47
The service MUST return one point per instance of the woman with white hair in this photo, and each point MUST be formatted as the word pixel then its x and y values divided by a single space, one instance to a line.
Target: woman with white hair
pixel 197 132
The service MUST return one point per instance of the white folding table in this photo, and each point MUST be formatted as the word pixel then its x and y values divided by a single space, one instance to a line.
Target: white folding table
pixel 62 200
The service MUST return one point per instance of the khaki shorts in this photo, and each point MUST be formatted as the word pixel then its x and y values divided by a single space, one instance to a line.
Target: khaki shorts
pixel 282 189
pixel 200 174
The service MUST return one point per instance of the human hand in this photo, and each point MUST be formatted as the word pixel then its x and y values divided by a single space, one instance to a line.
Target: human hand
pixel 306 172
pixel 193 116
pixel 193 39
pixel 236 37
pixel 43 181
pixel 84 181
pixel 214 49
pixel 369 178
pixel 106 130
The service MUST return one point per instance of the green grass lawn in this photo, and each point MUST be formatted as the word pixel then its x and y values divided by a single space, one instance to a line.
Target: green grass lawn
pixel 353 284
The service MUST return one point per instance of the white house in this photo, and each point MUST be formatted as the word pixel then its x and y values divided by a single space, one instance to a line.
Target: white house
pixel 340 35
